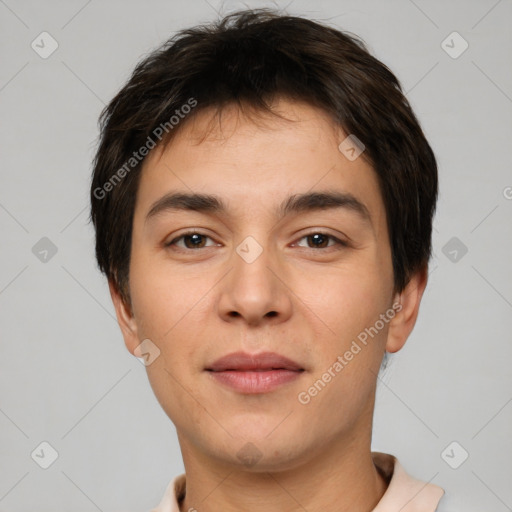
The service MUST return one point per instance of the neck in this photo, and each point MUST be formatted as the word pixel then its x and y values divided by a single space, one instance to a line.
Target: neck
pixel 341 477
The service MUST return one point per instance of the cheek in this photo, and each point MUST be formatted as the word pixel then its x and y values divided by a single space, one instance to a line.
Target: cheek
pixel 346 299
pixel 163 298
pixel 348 303
pixel 171 309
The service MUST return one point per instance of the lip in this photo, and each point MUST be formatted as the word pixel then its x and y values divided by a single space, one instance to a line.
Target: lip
pixel 264 361
pixel 256 373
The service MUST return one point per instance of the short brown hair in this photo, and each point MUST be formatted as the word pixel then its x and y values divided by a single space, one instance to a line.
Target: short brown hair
pixel 250 58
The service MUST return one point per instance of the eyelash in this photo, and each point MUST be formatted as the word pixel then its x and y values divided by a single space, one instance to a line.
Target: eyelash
pixel 189 233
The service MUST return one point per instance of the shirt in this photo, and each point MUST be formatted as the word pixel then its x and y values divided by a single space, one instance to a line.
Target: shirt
pixel 403 494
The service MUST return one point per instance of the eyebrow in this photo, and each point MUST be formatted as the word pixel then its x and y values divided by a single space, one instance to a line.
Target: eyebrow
pixel 295 204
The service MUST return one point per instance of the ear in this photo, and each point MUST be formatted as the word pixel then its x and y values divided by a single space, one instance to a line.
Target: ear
pixel 402 324
pixel 125 319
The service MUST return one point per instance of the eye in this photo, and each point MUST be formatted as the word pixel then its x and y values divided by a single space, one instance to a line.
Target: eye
pixel 196 240
pixel 321 240
pixel 191 239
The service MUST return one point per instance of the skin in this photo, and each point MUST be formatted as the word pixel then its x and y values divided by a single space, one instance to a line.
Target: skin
pixel 197 305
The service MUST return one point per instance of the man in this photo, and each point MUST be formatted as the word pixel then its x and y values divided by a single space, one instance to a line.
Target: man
pixel 263 198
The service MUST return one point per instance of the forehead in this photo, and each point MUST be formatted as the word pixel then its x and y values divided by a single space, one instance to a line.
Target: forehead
pixel 255 160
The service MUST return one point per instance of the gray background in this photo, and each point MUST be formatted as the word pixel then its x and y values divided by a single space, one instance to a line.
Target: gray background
pixel 65 375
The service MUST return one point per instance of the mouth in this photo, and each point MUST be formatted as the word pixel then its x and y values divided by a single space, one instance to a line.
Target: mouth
pixel 251 374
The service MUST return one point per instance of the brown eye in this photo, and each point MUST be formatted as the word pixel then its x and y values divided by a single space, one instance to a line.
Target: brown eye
pixel 190 240
pixel 319 240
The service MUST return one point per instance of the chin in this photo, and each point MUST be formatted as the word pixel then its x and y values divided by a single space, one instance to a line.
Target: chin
pixel 261 457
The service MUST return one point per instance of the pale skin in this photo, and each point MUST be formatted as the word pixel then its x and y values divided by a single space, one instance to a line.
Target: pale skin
pixel 305 300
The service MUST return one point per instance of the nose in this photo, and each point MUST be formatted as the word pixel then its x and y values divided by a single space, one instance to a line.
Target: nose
pixel 255 290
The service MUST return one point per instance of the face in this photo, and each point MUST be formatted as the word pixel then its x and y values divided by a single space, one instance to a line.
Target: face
pixel 245 273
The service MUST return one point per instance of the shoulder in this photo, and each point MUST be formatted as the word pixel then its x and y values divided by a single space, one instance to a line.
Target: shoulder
pixel 173 494
pixel 404 492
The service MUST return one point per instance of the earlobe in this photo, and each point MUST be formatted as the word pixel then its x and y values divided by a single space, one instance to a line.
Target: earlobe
pixel 125 319
pixel 403 322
